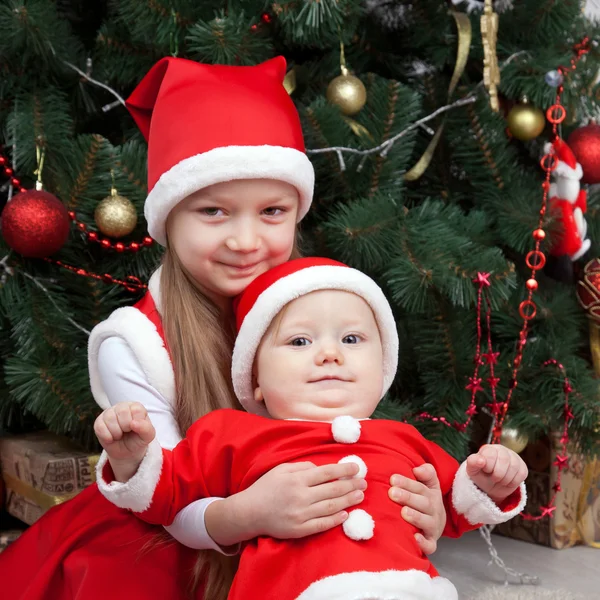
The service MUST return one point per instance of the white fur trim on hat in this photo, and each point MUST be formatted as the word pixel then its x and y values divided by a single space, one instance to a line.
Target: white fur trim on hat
pixel 144 340
pixel 357 460
pixel 476 506
pixel 135 494
pixel 295 285
pixel 385 585
pixel 359 525
pixel 227 164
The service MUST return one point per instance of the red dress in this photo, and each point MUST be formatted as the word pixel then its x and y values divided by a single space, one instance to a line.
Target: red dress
pixel 76 549
pixel 373 556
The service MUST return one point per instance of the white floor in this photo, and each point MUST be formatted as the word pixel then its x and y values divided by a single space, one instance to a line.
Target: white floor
pixel 465 563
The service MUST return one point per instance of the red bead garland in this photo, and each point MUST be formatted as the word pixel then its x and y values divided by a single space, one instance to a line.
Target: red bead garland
pixel 130 283
pixel 536 259
pixel 14 181
pixel 561 460
pixel 92 236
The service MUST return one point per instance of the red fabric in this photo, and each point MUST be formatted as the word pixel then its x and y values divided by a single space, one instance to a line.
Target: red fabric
pixel 245 301
pixel 88 549
pixel 581 201
pixel 147 306
pixel 567 240
pixel 511 502
pixel 226 451
pixel 184 108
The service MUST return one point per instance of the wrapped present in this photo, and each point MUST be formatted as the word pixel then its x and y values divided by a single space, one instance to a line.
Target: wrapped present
pixel 41 470
pixel 7 537
pixel 576 519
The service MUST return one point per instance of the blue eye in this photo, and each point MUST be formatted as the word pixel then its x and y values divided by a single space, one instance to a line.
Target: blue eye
pixel 351 339
pixel 300 341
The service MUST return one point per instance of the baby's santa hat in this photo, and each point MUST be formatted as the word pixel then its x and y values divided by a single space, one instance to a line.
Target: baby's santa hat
pixel 567 165
pixel 262 300
pixel 207 124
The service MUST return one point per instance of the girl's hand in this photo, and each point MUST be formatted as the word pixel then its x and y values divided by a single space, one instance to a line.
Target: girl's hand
pixel 290 501
pixel 497 471
pixel 125 431
pixel 422 505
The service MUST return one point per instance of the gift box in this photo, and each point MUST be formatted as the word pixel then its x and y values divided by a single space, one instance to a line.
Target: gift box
pixel 576 519
pixel 41 470
pixel 7 537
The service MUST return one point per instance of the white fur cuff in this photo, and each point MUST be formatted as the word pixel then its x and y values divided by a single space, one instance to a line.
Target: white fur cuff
pixel 476 506
pixel 145 342
pixel 137 493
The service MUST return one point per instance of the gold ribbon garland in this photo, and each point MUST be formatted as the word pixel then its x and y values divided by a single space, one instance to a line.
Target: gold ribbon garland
pixel 289 81
pixel 489 38
pixel 463 25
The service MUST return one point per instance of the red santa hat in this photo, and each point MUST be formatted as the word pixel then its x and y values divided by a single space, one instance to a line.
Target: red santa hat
pixel 262 300
pixel 206 124
pixel 567 165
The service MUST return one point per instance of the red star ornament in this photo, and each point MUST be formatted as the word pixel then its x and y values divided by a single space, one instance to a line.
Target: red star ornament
pixel 474 385
pixel 493 381
pixel 562 461
pixel 548 511
pixel 472 410
pixel 491 358
pixel 482 280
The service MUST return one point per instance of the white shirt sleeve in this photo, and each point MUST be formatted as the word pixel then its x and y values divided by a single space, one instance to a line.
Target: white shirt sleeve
pixel 124 380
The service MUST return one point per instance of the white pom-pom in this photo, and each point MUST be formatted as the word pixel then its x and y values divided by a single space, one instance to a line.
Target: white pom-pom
pixel 359 525
pixel 362 467
pixel 346 430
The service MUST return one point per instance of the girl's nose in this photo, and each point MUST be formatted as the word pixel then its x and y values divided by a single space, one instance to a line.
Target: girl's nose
pixel 245 239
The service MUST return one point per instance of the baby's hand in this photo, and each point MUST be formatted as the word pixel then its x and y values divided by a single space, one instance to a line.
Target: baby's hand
pixel 125 431
pixel 497 471
pixel 423 505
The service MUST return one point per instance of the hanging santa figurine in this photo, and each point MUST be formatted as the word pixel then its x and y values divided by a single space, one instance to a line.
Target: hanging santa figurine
pixel 568 203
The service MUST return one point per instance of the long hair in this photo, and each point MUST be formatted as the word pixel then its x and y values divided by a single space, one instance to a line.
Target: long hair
pixel 200 339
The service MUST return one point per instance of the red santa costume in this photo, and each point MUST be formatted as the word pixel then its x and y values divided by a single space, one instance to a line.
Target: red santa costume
pixel 204 124
pixel 373 555
pixel 568 203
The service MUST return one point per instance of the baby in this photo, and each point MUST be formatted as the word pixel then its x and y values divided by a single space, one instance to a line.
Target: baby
pixel 317 348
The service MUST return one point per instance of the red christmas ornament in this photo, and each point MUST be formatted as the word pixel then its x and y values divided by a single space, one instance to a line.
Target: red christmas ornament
pixel 35 224
pixel 585 143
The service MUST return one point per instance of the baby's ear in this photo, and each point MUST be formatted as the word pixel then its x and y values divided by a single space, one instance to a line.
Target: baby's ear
pixel 258 395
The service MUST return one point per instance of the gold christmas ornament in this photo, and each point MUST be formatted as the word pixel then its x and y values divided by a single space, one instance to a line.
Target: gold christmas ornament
pixel 116 215
pixel 489 37
pixel 525 122
pixel 513 439
pixel 347 92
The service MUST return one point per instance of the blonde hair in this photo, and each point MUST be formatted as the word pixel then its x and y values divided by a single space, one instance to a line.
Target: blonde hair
pixel 200 341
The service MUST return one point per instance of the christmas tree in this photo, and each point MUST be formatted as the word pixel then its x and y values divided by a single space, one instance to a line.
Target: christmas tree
pixel 422 182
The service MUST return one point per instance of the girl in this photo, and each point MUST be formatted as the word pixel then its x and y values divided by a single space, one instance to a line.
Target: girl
pixel 228 181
